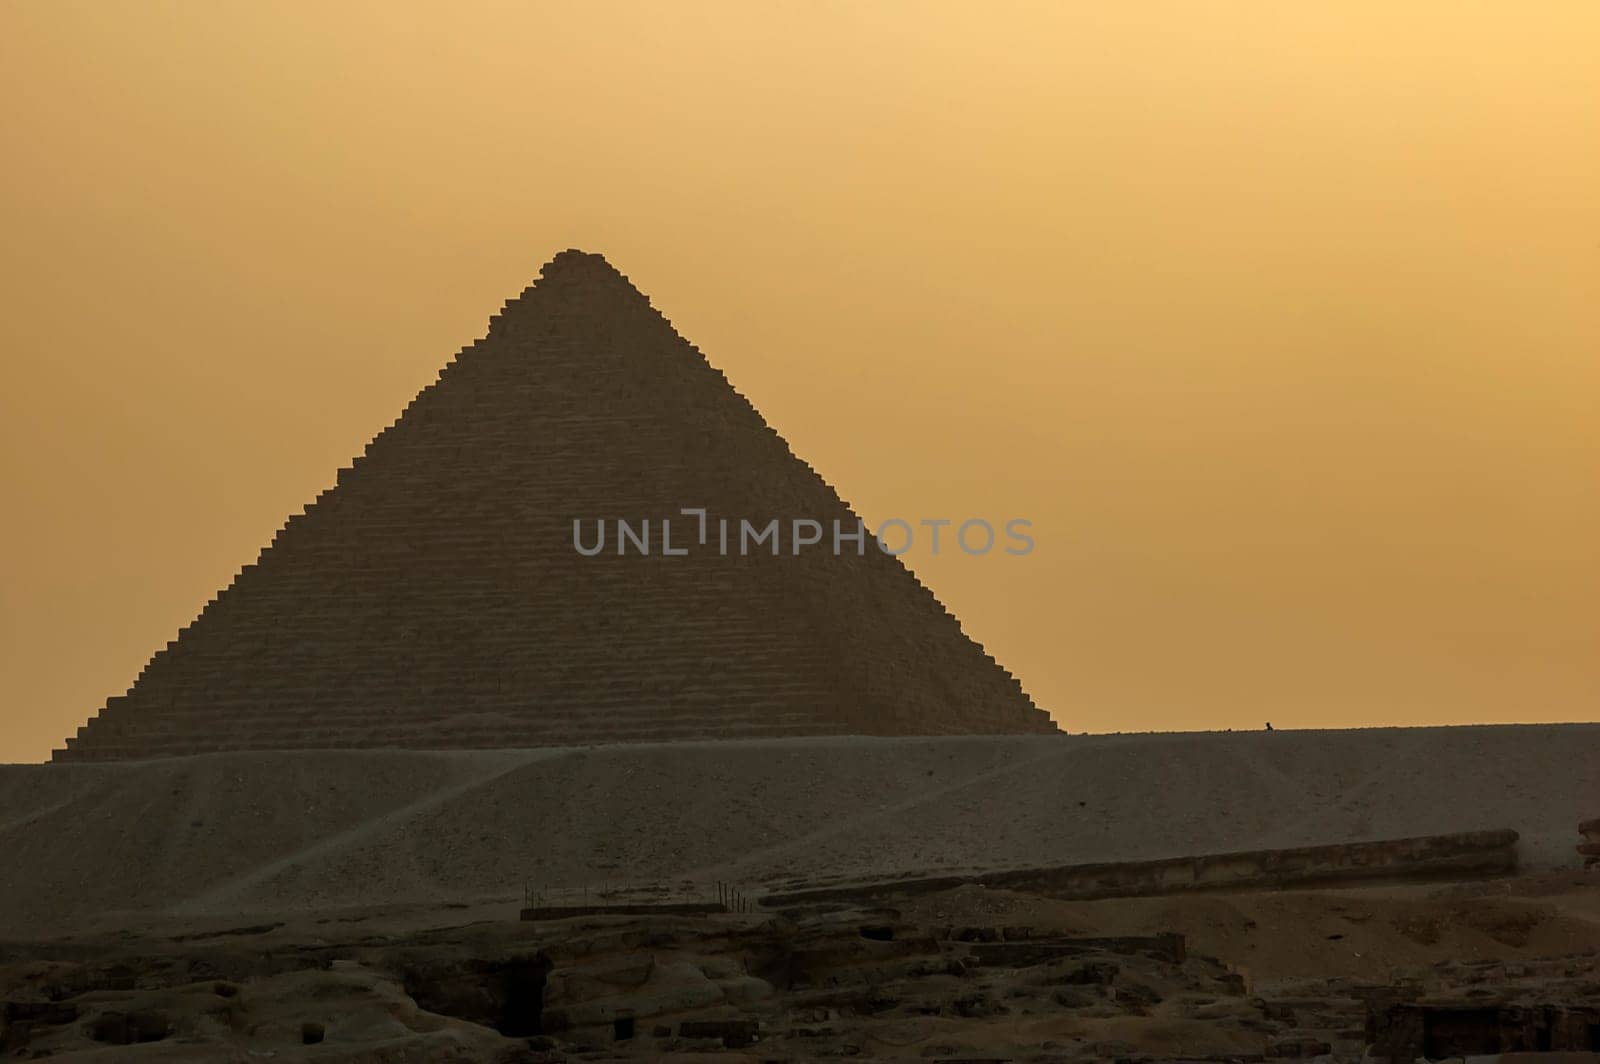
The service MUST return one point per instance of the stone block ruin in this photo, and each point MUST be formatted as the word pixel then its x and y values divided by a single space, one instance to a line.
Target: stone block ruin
pixel 433 597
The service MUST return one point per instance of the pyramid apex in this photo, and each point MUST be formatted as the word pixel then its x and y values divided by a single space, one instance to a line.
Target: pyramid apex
pixel 570 271
pixel 573 260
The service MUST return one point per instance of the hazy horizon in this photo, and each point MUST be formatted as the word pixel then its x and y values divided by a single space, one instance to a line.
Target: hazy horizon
pixel 1279 323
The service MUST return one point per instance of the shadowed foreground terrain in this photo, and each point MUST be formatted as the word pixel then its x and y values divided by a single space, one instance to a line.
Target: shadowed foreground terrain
pixel 970 974
pixel 362 906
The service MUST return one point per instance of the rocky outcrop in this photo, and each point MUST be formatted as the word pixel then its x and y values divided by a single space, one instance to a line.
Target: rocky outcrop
pixel 814 983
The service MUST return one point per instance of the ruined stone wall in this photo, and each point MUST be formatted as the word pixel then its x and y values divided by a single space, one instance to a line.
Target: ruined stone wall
pixel 433 597
pixel 1460 855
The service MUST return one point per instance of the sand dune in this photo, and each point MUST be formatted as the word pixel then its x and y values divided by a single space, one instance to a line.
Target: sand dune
pixel 101 844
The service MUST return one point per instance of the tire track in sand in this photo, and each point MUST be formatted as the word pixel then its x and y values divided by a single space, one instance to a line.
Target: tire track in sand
pixel 227 893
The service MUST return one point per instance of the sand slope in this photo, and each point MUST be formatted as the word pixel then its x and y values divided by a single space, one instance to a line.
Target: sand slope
pixel 262 832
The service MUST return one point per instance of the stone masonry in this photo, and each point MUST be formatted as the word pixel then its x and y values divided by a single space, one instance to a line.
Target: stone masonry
pixel 433 597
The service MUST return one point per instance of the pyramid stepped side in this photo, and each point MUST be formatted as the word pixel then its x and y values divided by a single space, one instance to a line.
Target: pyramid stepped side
pixel 433 597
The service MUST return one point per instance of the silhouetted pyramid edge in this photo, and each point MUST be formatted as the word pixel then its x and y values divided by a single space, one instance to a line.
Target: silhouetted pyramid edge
pixel 362 623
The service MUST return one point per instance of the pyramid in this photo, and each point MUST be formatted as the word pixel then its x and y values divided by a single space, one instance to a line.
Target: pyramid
pixel 435 596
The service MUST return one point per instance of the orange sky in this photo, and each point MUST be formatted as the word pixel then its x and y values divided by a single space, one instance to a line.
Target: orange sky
pixel 1281 322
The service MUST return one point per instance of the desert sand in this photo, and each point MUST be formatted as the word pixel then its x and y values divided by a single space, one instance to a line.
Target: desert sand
pixel 104 845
